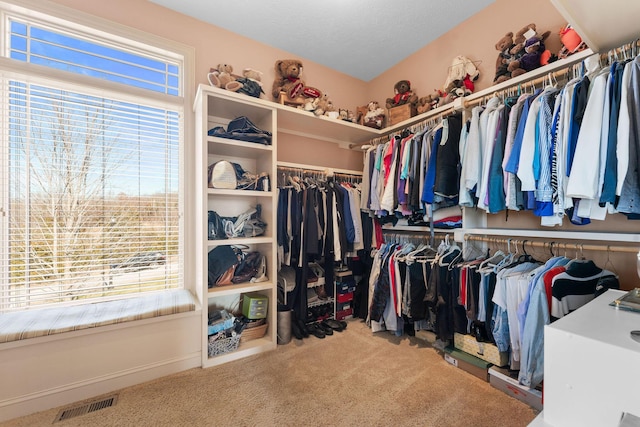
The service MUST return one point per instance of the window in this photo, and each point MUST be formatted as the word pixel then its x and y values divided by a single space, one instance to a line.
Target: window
pixel 90 172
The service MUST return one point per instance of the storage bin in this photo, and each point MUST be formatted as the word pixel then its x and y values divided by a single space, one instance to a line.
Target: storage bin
pixel 223 345
pixel 341 298
pixel 256 332
pixel 344 314
pixel 254 306
pixel 483 350
pixel 401 113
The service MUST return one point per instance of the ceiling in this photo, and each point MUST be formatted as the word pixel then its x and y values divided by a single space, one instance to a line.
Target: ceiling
pixel 361 38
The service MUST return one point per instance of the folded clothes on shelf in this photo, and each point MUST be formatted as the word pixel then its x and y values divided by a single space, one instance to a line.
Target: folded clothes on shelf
pixel 242 129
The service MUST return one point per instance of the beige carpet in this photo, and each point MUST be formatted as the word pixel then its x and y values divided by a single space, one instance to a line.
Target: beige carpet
pixel 353 378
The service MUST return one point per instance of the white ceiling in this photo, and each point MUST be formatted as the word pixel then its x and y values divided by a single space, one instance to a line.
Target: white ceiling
pixel 361 38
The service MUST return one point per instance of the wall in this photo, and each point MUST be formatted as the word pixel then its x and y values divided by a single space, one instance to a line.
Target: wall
pixel 215 45
pixel 474 38
pixel 42 373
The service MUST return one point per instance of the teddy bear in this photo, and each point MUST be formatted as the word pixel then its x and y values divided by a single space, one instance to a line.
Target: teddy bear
pixel 425 103
pixel 310 104
pixel 373 117
pixel 222 76
pixel 532 53
pixel 462 73
pixel 288 80
pixel 504 46
pixel 324 106
pixel 403 95
pixel 251 82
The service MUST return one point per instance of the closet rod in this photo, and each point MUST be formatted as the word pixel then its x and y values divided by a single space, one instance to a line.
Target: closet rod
pixel 438 115
pixel 553 75
pixel 312 168
pixel 553 244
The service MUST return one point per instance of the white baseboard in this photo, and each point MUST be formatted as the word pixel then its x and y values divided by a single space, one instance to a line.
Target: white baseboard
pixel 73 392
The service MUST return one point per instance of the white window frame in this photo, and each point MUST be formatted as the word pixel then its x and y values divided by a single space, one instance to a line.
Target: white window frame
pixel 53 15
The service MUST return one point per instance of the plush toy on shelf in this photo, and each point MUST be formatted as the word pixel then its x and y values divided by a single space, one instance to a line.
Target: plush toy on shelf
pixel 571 42
pixel 460 77
pixel 288 86
pixel 530 53
pixel 403 95
pixel 325 107
pixel 426 103
pixel 222 76
pixel 504 46
pixel 371 115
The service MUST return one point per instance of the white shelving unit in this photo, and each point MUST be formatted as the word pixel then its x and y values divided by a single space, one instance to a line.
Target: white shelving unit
pixel 214 107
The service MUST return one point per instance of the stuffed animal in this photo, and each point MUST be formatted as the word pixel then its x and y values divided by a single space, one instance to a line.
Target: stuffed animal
pixel 251 82
pixel 462 73
pixel 373 116
pixel 440 98
pixel 343 114
pixel 324 106
pixel 310 104
pixel 425 103
pixel 571 42
pixel 534 50
pixel 222 77
pixel 288 80
pixel 403 95
pixel 523 34
pixel 504 47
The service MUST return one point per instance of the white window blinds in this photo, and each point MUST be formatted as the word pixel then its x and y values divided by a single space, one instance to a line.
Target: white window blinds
pixel 89 177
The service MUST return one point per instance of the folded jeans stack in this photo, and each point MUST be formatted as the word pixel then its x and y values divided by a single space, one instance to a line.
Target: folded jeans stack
pixel 242 129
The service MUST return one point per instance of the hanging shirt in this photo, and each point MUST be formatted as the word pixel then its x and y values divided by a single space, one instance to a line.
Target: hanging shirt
pixel 488 128
pixel 583 178
pixel 471 172
pixel 629 202
pixel 622 143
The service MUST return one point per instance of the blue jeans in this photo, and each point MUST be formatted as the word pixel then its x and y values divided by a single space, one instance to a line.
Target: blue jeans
pixel 242 129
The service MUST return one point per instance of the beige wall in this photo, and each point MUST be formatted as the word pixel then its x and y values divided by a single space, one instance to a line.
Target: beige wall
pixel 215 45
pixel 474 38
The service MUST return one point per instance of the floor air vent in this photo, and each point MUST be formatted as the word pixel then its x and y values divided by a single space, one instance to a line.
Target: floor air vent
pixel 85 408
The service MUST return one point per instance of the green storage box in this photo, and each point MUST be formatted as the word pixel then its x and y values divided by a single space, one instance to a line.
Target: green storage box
pixel 254 306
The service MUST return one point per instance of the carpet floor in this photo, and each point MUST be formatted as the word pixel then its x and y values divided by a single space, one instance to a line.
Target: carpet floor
pixel 353 378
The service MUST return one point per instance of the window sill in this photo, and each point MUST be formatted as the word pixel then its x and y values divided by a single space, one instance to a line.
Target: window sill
pixel 52 321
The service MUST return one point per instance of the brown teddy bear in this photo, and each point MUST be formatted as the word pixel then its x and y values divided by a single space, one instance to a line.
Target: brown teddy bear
pixel 530 54
pixel 425 104
pixel 288 80
pixel 222 76
pixel 504 46
pixel 324 106
pixel 403 95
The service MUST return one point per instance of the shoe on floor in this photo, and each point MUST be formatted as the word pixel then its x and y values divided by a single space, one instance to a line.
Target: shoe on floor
pixel 316 330
pixel 334 324
pixel 328 330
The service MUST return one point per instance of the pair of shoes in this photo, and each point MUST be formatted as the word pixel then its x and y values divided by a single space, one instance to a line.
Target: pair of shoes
pixel 333 324
pixel 316 330
pixel 328 330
